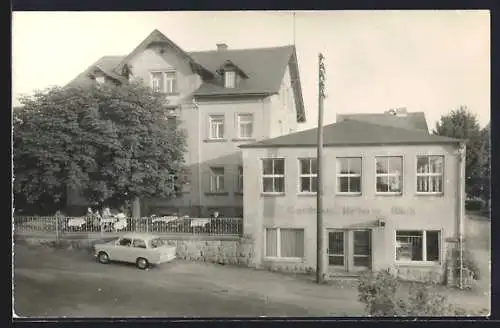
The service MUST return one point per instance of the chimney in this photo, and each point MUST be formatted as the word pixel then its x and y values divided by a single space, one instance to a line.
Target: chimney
pixel 221 47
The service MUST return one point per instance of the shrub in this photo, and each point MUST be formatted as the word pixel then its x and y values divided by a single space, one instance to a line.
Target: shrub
pixel 468 262
pixel 378 292
pixel 421 301
pixel 384 295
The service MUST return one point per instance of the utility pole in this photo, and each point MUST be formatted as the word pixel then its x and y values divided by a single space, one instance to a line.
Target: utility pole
pixel 319 193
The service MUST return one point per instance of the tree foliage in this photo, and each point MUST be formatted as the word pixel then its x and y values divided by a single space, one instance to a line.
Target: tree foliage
pixel 112 143
pixel 462 123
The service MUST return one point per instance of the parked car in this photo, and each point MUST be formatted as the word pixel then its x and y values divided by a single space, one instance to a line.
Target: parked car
pixel 143 249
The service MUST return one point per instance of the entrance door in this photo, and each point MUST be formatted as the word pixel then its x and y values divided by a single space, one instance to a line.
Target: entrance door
pixel 336 250
pixel 362 250
pixel 349 250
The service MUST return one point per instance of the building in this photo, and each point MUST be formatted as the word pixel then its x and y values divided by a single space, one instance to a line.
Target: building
pixel 393 197
pixel 223 98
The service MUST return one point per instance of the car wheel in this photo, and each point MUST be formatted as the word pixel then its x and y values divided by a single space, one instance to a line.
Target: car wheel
pixel 142 263
pixel 103 258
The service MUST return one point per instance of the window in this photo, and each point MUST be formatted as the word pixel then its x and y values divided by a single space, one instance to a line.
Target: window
pixel 229 79
pixel 273 175
pixel 172 182
pixel 100 79
pixel 171 82
pixel 308 175
pixel 239 184
pixel 417 246
pixel 164 82
pixel 284 243
pixel 125 242
pixel 139 243
pixel 349 175
pixel 245 126
pixel 389 174
pixel 157 81
pixel 216 126
pixel 430 174
pixel 216 179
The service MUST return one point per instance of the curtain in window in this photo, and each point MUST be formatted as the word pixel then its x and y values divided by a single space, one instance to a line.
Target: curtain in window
pixel 271 242
pixel 292 243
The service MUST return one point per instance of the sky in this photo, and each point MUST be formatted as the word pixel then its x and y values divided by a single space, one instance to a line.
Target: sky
pixel 430 61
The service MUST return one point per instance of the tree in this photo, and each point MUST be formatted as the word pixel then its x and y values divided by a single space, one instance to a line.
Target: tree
pixel 463 124
pixel 485 163
pixel 111 143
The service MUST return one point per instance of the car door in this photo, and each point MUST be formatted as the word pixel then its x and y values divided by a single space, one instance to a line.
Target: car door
pixel 121 251
pixel 139 249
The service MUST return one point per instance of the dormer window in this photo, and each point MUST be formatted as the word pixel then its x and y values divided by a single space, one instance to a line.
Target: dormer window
pixel 229 79
pixel 231 74
pixel 100 79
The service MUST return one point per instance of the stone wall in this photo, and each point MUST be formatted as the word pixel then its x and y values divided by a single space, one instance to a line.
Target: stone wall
pixel 421 274
pixel 287 266
pixel 223 251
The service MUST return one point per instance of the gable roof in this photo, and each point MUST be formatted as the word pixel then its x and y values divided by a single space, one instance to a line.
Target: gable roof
pixel 264 68
pixel 105 64
pixel 413 120
pixel 158 37
pixel 229 65
pixel 353 133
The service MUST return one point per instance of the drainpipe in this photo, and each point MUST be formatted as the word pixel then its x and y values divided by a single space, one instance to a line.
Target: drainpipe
pixel 461 205
pixel 200 141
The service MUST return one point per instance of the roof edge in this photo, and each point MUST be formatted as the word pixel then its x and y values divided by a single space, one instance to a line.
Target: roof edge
pixel 412 143
pixel 299 103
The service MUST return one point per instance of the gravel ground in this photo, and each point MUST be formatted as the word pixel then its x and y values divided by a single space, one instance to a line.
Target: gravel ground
pixel 58 283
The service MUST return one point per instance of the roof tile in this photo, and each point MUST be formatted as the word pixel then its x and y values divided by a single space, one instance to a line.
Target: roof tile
pixel 352 133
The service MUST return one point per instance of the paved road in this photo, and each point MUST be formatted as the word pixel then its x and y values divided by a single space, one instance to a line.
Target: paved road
pixel 62 283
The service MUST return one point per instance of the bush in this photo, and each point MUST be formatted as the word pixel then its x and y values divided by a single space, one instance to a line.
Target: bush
pixel 468 262
pixel 378 292
pixel 384 295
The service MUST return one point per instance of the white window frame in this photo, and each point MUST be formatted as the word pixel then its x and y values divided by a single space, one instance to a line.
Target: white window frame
pixel 100 79
pixel 428 175
pixel 152 79
pixel 388 175
pixel 349 175
pixel 216 179
pixel 215 118
pixel 307 175
pixel 424 248
pixel 278 244
pixel 165 80
pixel 230 79
pixel 170 82
pixel 171 181
pixel 241 122
pixel 273 175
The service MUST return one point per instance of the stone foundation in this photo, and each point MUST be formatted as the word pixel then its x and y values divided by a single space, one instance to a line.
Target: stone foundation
pixel 287 266
pixel 421 274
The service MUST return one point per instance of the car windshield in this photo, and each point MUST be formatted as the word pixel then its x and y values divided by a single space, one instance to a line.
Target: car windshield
pixel 156 242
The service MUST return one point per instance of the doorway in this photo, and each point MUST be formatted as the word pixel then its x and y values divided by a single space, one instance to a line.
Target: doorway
pixel 349 250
